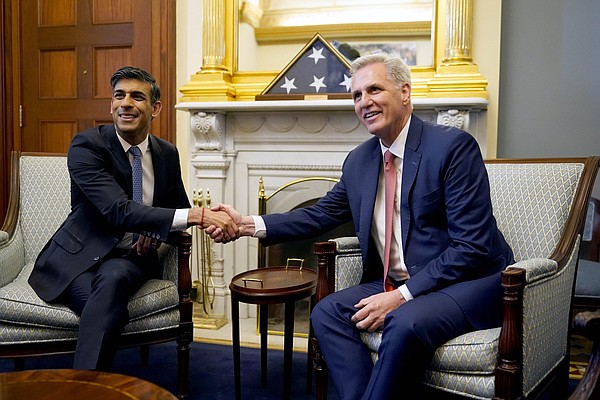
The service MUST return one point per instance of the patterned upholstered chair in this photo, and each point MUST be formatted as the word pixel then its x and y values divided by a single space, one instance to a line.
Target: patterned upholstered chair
pixel 540 208
pixel 40 200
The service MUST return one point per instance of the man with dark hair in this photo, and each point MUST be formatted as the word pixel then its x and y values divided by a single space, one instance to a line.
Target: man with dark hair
pixel 127 196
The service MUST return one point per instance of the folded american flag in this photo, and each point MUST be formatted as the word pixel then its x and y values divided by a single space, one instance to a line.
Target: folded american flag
pixel 318 70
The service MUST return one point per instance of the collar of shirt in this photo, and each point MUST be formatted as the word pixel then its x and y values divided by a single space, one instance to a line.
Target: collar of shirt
pixel 143 146
pixel 397 148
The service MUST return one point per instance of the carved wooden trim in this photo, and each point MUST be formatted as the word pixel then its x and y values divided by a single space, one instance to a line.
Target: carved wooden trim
pixel 186 329
pixel 509 371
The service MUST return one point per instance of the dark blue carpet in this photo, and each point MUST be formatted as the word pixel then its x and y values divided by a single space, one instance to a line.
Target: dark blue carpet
pixel 211 371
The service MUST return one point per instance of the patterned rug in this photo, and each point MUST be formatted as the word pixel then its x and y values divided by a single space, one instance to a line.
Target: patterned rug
pixel 580 353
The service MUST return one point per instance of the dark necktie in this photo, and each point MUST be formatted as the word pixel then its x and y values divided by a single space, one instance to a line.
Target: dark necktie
pixel 136 172
pixel 390 194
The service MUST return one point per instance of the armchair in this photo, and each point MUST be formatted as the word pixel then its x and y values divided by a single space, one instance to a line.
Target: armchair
pixel 160 311
pixel 590 242
pixel 587 283
pixel 540 208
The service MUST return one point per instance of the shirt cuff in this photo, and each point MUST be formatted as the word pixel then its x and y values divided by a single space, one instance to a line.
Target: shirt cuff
pixel 260 229
pixel 180 220
pixel 405 292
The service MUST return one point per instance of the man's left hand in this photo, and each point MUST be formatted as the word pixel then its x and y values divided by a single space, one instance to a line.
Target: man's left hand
pixel 373 309
pixel 145 244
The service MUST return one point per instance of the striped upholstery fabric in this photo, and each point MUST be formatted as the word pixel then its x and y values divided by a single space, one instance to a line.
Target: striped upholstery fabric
pixel 531 204
pixel 24 317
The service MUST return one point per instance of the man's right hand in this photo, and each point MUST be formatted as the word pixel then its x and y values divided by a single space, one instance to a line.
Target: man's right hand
pixel 244 223
pixel 210 218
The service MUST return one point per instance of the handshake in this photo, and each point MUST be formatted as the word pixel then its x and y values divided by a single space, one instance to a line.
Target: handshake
pixel 221 222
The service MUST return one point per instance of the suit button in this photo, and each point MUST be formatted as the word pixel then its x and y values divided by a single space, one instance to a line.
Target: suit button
pixel 96 258
pixel 115 240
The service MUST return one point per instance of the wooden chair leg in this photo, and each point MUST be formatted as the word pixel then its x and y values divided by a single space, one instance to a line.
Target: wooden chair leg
pixel 309 366
pixel 320 369
pixel 144 355
pixel 183 366
pixel 19 364
pixel 186 327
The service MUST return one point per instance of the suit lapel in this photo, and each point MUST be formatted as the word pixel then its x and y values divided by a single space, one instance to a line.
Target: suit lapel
pixel 410 167
pixel 369 192
pixel 158 165
pixel 122 166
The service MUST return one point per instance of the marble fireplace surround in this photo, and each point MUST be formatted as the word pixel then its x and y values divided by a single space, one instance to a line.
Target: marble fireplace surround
pixel 234 144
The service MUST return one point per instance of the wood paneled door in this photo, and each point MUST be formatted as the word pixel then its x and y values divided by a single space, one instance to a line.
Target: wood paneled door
pixel 62 55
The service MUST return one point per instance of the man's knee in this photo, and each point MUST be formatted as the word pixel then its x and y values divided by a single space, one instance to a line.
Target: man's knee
pixel 320 313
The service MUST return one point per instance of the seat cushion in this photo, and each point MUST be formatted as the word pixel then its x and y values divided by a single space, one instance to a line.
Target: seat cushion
pixel 473 353
pixel 465 385
pixel 588 279
pixel 20 305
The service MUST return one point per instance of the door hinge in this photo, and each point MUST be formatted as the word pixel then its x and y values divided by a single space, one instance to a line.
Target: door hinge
pixel 20 116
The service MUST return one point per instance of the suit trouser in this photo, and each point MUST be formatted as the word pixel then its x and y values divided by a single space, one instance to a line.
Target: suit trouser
pixel 411 335
pixel 100 296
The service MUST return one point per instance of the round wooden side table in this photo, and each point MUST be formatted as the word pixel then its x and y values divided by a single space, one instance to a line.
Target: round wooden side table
pixel 64 384
pixel 263 286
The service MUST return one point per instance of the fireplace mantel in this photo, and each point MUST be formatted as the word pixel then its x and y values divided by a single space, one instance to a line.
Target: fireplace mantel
pixel 471 103
pixel 235 144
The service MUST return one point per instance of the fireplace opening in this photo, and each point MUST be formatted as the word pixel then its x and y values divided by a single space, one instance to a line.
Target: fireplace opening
pixel 277 255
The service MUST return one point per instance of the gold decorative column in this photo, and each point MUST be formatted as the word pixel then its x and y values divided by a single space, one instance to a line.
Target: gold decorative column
pixel 213 36
pixel 456 74
pixel 219 54
pixel 459 32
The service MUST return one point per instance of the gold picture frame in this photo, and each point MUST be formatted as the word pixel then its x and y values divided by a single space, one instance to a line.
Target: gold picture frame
pixel 452 73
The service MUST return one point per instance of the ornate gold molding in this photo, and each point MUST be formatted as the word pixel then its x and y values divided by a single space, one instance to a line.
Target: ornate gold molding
pixel 357 32
pixel 453 73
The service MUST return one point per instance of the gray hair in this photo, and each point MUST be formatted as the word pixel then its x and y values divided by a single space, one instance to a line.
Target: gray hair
pixel 397 69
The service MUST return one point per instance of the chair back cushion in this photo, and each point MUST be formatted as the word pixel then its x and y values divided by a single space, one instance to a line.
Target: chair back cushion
pixel 45 198
pixel 531 203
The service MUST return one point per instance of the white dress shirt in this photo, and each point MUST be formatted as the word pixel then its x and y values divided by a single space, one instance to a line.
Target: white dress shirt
pixel 398 269
pixel 181 215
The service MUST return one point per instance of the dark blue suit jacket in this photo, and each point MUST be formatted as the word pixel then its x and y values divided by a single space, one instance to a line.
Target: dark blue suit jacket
pixel 102 209
pixel 450 238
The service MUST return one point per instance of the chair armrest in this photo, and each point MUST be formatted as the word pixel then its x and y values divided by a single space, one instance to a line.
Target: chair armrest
pixel 535 268
pixel 184 286
pixel 339 263
pixel 184 250
pixel 167 256
pixel 347 244
pixel 12 258
pixel 325 252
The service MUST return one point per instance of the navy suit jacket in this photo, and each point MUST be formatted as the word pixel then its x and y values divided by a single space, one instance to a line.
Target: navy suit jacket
pixel 102 209
pixel 450 239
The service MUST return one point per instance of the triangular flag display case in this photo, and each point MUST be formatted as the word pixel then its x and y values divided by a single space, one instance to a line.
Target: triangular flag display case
pixel 318 72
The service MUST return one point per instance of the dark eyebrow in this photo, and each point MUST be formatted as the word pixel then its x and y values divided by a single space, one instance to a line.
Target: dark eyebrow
pixel 133 92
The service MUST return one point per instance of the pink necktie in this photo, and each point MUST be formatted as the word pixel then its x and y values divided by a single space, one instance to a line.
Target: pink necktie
pixel 390 194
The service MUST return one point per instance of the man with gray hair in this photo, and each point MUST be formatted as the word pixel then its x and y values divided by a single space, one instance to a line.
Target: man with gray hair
pixel 419 197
